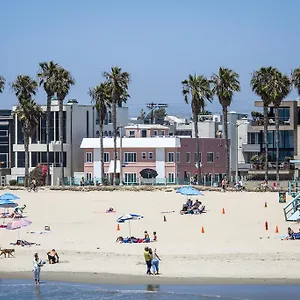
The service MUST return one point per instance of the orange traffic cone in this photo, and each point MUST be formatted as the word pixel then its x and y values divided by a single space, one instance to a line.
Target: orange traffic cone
pixel 223 211
pixel 118 227
pixel 202 230
pixel 276 229
pixel 266 204
pixel 165 219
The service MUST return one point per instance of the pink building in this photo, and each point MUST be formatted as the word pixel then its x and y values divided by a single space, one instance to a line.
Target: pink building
pixel 173 158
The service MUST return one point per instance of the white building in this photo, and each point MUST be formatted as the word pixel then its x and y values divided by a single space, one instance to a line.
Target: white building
pixel 80 121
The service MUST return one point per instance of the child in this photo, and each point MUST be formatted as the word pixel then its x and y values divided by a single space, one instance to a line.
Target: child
pixel 154 236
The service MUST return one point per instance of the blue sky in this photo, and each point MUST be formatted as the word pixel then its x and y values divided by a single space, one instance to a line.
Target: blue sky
pixel 159 42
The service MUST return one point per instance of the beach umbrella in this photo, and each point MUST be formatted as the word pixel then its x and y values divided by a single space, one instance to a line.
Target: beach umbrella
pixel 189 191
pixel 17 224
pixel 129 218
pixel 8 204
pixel 9 196
pixel 148 173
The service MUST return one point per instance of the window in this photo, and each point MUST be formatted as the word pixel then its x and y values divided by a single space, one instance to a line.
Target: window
pixel 210 157
pixel 132 133
pixel 3 133
pixel 217 155
pixel 171 157
pixel 144 133
pixel 105 133
pixel 20 159
pixel 130 178
pixel 155 133
pixel 196 157
pixel 171 178
pixel 109 133
pixel 106 157
pixel 88 177
pixel 150 155
pixel 88 157
pixel 144 156
pixel 109 117
pixel 162 133
pixel 3 160
pixel 188 157
pixel 130 157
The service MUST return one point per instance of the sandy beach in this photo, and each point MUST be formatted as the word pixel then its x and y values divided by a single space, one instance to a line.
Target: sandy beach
pixel 235 245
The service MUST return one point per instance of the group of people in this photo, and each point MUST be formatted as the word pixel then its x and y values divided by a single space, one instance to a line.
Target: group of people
pixel 152 261
pixel 132 239
pixel 39 263
pixel 192 208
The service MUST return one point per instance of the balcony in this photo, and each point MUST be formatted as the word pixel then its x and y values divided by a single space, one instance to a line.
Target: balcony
pixel 250 147
pixel 271 121
pixel 259 169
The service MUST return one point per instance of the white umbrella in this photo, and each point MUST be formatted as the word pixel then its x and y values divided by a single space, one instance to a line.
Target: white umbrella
pixel 129 217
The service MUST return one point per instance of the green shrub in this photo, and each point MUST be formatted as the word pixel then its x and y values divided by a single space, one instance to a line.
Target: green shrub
pixel 13 182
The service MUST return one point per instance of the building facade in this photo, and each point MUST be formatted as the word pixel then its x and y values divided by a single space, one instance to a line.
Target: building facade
pixel 79 121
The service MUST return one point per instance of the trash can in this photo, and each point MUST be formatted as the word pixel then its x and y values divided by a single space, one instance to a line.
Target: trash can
pixel 282 197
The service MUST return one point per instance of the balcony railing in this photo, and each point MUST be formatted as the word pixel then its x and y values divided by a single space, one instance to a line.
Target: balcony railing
pixel 271 121
pixel 272 166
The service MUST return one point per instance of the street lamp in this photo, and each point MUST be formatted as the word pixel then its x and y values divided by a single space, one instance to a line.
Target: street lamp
pixel 120 159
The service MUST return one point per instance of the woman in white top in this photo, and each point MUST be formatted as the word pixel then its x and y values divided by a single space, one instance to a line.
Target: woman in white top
pixel 37 264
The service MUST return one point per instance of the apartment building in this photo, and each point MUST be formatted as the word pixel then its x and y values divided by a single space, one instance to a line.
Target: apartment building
pixel 79 121
pixel 173 158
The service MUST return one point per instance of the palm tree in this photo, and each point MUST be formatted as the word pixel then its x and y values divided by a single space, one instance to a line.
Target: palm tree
pixel 27 111
pixel 280 87
pixel 118 82
pixel 260 83
pixel 62 83
pixel 199 90
pixel 2 84
pixel 225 83
pixel 46 77
pixel 101 97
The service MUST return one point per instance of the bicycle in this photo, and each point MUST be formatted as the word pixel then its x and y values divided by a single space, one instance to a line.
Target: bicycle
pixel 32 188
pixel 264 188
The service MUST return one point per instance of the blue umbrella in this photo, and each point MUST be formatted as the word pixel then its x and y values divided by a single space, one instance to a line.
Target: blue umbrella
pixel 129 217
pixel 189 191
pixel 8 204
pixel 9 196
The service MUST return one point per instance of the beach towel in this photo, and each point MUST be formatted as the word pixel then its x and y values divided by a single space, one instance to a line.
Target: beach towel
pixel 38 232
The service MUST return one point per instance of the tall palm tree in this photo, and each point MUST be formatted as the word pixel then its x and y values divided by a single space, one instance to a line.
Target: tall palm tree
pixel 2 84
pixel 260 83
pixel 101 97
pixel 118 82
pixel 225 83
pixel 27 111
pixel 280 87
pixel 199 90
pixel 62 83
pixel 46 76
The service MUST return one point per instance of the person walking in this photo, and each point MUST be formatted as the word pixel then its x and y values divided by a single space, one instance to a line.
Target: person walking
pixel 148 260
pixel 155 262
pixel 37 264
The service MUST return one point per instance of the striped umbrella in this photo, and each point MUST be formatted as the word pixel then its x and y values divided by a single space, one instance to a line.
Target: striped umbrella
pixel 129 217
pixel 17 224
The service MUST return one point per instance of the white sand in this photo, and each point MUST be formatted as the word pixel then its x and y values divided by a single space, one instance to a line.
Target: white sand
pixel 231 246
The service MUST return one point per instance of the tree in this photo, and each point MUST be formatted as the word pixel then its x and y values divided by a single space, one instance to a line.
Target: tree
pixel 260 83
pixel 46 76
pixel 279 88
pixel 225 83
pixel 101 97
pixel 62 83
pixel 118 82
pixel 160 114
pixel 142 115
pixel 199 90
pixel 27 112
pixel 2 84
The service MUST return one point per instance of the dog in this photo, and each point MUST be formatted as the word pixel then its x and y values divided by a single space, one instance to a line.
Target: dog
pixel 8 252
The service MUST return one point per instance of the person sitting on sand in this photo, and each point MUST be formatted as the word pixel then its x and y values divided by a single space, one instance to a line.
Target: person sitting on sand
pixel 290 235
pixel 189 203
pixel 146 237
pixel 53 257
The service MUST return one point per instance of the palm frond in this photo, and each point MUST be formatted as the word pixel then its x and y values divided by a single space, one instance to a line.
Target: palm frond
pixel 2 84
pixel 24 87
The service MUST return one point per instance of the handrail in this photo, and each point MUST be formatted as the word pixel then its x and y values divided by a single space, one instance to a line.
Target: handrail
pixel 291 206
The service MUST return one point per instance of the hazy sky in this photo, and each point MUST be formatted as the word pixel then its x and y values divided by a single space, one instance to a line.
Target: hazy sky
pixel 159 42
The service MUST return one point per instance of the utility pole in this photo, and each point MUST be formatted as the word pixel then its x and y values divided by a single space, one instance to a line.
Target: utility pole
pixel 152 106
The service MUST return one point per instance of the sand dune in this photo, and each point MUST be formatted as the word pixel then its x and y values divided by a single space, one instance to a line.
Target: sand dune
pixel 234 245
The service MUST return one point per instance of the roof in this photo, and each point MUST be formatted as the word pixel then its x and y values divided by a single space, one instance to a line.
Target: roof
pixel 146 126
pixel 154 142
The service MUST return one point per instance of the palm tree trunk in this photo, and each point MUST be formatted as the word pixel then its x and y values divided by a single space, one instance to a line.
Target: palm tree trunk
pixel 26 147
pixel 226 141
pixel 195 120
pixel 101 147
pixel 266 140
pixel 61 141
pixel 277 144
pixel 48 137
pixel 114 119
